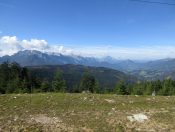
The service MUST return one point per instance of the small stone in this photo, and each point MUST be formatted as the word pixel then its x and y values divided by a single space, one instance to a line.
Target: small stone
pixel 113 109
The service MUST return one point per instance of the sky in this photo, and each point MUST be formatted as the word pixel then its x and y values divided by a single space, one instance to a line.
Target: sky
pixel 124 29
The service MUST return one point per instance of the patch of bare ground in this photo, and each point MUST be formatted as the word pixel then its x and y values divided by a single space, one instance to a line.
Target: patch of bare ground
pixel 54 124
pixel 45 120
pixel 49 123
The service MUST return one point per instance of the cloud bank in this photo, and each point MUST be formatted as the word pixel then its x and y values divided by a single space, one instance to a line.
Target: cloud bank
pixel 11 44
pixel 133 53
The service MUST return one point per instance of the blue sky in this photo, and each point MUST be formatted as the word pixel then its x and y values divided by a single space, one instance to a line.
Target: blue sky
pixel 90 23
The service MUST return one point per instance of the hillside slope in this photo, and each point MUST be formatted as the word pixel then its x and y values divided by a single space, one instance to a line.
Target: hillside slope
pixel 106 77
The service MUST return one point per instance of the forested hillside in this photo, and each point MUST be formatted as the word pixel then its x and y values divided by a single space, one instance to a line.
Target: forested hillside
pixel 77 78
pixel 15 78
pixel 106 78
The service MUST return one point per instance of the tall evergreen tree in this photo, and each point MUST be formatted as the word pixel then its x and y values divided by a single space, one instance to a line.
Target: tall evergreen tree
pixel 59 84
pixel 88 83
pixel 45 87
pixel 121 88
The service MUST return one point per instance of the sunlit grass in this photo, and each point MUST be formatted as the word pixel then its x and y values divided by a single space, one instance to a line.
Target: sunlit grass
pixel 84 112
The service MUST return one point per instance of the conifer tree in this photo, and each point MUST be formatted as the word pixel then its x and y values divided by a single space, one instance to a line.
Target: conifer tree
pixel 59 84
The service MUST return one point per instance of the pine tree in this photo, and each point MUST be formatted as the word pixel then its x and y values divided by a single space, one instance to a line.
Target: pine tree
pixel 59 84
pixel 45 87
pixel 88 83
pixel 120 88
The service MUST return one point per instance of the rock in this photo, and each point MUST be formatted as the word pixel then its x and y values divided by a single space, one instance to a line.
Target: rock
pixel 85 98
pixel 137 117
pixel 109 113
pixel 113 109
pixel 109 100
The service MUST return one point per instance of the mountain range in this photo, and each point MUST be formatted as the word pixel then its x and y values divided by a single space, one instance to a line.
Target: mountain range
pixel 151 70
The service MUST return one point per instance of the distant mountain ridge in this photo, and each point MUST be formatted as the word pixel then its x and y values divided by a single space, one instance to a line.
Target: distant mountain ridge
pixel 34 58
pixel 150 70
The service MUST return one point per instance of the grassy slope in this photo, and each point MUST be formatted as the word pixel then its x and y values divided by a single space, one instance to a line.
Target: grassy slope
pixel 84 112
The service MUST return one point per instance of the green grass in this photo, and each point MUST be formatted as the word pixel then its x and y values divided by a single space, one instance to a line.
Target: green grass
pixel 85 112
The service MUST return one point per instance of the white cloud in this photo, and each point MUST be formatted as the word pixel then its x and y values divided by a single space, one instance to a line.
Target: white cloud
pixel 59 49
pixel 10 45
pixel 34 44
pixel 9 40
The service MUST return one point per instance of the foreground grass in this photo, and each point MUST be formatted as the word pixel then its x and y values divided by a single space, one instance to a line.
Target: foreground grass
pixel 85 112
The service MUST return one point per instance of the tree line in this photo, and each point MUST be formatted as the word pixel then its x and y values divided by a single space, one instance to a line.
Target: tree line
pixel 165 87
pixel 17 79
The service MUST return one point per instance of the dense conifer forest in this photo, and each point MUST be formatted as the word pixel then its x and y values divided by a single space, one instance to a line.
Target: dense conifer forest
pixel 17 79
